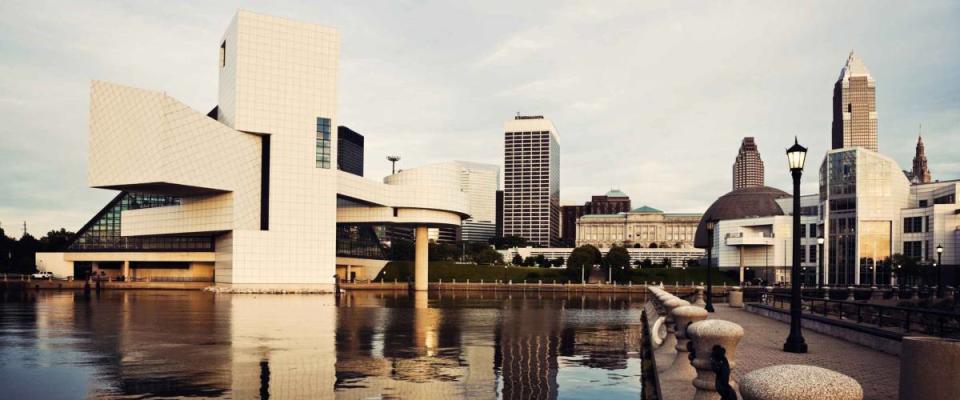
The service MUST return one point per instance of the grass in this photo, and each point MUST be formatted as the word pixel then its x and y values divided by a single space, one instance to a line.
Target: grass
pixel 448 271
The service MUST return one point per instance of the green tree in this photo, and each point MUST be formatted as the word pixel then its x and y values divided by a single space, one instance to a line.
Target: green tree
pixel 647 263
pixel 488 256
pixel 517 260
pixel 557 262
pixel 529 261
pixel 401 250
pixel 667 263
pixel 583 257
pixel 509 242
pixel 542 261
pixel 618 260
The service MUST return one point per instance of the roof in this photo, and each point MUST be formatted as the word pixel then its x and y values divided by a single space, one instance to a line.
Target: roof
pixel 616 193
pixel 854 67
pixel 748 202
pixel 645 209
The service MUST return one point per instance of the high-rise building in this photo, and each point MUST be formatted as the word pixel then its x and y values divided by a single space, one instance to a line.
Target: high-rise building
pixel 349 151
pixel 920 172
pixel 568 224
pixel 499 213
pixel 531 207
pixel 748 168
pixel 855 107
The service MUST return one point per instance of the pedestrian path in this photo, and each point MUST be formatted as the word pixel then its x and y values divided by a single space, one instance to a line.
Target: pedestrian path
pixel 762 345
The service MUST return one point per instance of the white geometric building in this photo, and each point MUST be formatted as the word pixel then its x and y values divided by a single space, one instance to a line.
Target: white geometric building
pixel 256 176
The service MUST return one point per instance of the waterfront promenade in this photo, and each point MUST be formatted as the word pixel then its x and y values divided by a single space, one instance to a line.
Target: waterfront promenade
pixel 762 346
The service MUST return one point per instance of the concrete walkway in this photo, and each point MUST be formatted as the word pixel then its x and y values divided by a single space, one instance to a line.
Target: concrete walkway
pixel 762 344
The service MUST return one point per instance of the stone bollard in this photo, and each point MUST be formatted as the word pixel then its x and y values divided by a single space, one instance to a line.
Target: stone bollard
pixel 850 294
pixel 713 341
pixel 791 382
pixel 680 369
pixel 668 348
pixel 768 294
pixel 875 294
pixel 698 300
pixel 826 292
pixel 929 368
pixel 950 293
pixel 735 297
pixel 658 332
pixel 915 295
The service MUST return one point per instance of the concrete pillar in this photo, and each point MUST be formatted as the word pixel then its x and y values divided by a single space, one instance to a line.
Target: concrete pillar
pixel 876 295
pixel 681 369
pixel 698 301
pixel 850 294
pixel 735 297
pixel 915 294
pixel 783 382
pixel 929 368
pixel 347 276
pixel 826 293
pixel 420 259
pixel 126 271
pixel 705 335
pixel 668 349
pixel 741 266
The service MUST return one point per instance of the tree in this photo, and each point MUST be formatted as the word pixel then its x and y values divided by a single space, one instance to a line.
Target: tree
pixel 509 242
pixel 557 262
pixel 647 262
pixel 517 260
pixel 488 256
pixel 529 261
pixel 56 240
pixel 618 259
pixel 401 250
pixel 542 261
pixel 667 263
pixel 583 257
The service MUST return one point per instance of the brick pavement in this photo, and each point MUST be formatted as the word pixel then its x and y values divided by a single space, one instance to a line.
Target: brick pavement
pixel 761 346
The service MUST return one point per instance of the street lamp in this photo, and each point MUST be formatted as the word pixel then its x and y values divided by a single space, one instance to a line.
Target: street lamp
pixel 940 272
pixel 709 306
pixel 821 274
pixel 796 156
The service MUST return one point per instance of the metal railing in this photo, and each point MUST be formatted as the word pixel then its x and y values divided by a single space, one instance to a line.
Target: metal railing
pixel 904 319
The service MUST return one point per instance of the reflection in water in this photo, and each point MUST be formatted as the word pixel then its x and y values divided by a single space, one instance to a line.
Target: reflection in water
pixel 366 345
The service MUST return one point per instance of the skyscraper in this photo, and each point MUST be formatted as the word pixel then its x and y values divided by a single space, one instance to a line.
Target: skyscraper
pixel 748 168
pixel 855 107
pixel 531 201
pixel 568 226
pixel 920 173
pixel 349 151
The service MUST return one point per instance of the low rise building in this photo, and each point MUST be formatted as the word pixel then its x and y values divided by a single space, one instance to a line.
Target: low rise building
pixel 641 227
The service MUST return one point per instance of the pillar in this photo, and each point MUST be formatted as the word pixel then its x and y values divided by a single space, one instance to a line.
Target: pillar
pixel 126 271
pixel 420 259
pixel 705 335
pixel 681 369
pixel 347 275
pixel 742 276
pixel 799 382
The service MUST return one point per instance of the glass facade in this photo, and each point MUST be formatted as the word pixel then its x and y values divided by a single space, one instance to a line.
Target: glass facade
pixel 838 178
pixel 359 241
pixel 102 233
pixel 323 143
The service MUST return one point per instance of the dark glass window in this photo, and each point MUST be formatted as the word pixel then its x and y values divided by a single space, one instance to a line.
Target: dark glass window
pixel 913 249
pixel 323 143
pixel 913 225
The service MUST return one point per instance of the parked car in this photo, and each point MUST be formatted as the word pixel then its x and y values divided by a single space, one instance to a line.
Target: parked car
pixel 42 275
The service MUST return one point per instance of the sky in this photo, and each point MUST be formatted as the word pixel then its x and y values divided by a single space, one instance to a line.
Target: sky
pixel 649 97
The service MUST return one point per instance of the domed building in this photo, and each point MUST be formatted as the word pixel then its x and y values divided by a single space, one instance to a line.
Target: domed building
pixel 753 230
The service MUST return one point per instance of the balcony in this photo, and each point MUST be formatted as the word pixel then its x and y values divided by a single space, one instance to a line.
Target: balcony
pixel 749 239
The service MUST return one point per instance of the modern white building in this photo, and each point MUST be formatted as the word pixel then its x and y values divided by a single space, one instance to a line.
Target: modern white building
pixel 247 195
pixel 531 189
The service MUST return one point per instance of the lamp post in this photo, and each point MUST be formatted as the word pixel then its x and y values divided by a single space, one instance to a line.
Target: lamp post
pixel 821 274
pixel 796 156
pixel 709 306
pixel 940 291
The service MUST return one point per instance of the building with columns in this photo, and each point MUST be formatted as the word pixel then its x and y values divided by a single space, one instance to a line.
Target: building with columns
pixel 643 226
pixel 247 195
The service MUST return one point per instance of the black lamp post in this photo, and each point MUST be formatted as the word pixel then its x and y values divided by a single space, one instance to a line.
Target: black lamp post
pixel 709 306
pixel 821 274
pixel 940 290
pixel 796 156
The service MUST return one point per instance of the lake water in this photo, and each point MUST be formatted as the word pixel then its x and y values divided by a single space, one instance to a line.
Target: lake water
pixel 142 344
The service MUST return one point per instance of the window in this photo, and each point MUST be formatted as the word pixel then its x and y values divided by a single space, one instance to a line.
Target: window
pixel 323 143
pixel 913 225
pixel 813 253
pixel 803 254
pixel 223 54
pixel 913 249
pixel 813 230
pixel 923 203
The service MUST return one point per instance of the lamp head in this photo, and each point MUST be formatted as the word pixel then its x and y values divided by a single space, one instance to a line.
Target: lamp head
pixel 939 249
pixel 820 240
pixel 796 156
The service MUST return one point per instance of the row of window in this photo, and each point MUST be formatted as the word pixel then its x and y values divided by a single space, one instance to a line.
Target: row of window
pixel 323 143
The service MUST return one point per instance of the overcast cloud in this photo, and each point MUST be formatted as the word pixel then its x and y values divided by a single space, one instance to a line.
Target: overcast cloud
pixel 649 97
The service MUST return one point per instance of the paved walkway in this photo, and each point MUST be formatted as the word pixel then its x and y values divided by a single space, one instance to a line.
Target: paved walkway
pixel 762 344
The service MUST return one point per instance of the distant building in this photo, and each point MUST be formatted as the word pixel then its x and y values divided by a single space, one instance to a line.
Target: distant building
pixel 531 193
pixel 613 202
pixel 644 226
pixel 499 214
pixel 349 151
pixel 920 172
pixel 748 167
pixel 855 107
pixel 568 224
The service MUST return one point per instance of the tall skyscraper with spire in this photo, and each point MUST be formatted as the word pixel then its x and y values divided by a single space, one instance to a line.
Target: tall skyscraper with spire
pixel 920 172
pixel 855 107
pixel 748 168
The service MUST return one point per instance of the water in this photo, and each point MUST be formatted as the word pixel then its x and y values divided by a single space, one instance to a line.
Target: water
pixel 144 344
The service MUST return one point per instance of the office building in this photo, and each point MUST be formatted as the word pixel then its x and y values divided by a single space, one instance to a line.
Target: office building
pixel 349 151
pixel 247 196
pixel 748 167
pixel 531 198
pixel 568 224
pixel 920 173
pixel 613 202
pixel 855 107
pixel 499 214
pixel 643 227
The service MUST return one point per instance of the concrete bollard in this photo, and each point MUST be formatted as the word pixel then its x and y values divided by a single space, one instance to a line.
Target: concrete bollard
pixel 950 292
pixel 850 294
pixel 929 368
pixel 698 301
pixel 658 332
pixel 826 293
pixel 735 297
pixel 681 369
pixel 875 294
pixel 713 338
pixel 668 348
pixel 915 294
pixel 790 382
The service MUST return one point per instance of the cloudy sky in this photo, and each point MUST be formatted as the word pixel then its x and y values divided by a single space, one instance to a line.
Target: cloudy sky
pixel 649 97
